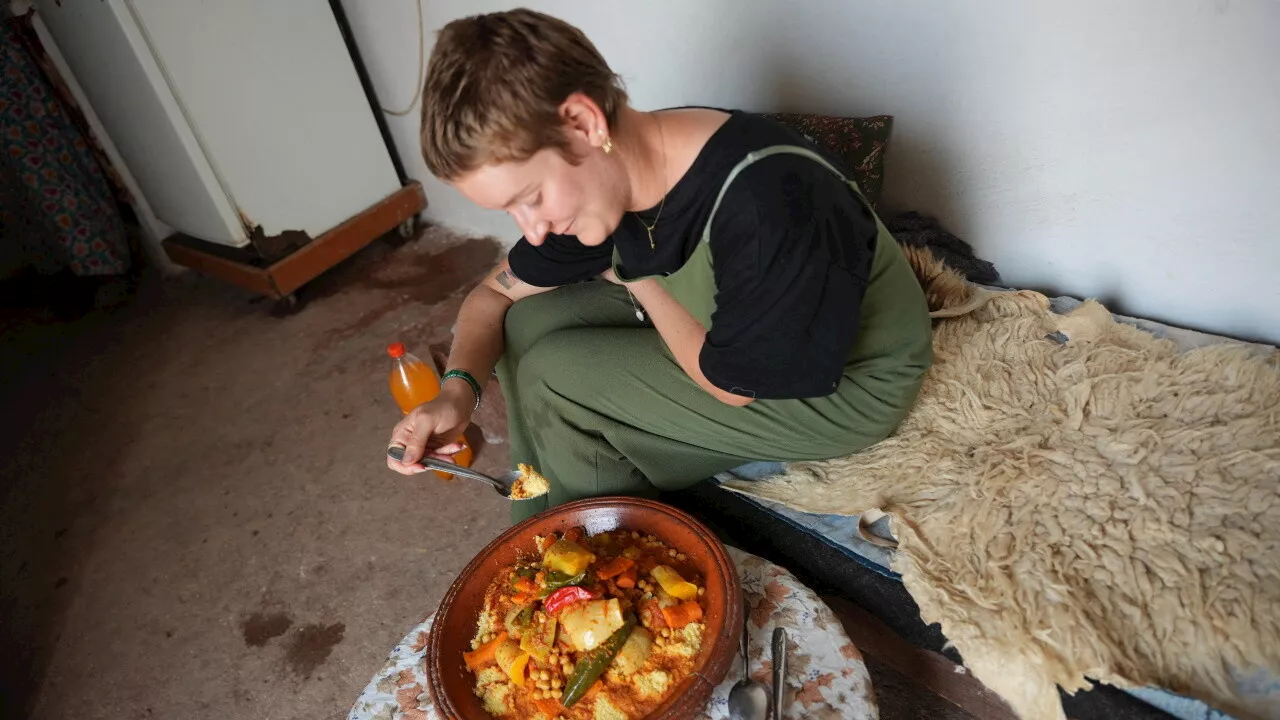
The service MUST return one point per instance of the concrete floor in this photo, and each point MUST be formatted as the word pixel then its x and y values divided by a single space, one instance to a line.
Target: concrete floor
pixel 196 518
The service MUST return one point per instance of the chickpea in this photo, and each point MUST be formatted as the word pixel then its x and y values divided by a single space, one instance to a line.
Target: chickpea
pixel 682 557
pixel 556 694
pixel 702 591
pixel 635 535
pixel 671 552
pixel 543 685
pixel 556 683
pixel 665 632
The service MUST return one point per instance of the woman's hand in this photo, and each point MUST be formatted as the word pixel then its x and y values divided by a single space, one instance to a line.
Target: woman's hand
pixel 433 428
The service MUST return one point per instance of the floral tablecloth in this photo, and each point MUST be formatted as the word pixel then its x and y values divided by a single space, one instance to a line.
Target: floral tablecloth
pixel 826 678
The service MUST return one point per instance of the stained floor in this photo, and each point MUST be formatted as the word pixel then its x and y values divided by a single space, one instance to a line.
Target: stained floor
pixel 196 520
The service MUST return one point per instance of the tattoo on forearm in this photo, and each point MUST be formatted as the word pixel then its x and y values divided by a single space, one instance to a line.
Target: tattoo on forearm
pixel 507 280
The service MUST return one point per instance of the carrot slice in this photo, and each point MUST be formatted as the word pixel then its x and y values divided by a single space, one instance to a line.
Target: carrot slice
pixel 615 567
pixel 484 654
pixel 677 616
pixel 628 578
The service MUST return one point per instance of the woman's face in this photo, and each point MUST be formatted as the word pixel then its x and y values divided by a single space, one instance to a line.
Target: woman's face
pixel 548 194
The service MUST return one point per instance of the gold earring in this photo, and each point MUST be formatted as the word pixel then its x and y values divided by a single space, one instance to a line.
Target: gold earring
pixel 607 146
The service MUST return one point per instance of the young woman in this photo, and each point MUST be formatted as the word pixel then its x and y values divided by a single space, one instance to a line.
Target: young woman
pixel 695 289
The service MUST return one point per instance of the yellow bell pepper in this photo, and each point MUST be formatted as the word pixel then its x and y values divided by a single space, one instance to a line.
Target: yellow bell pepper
pixel 676 586
pixel 517 669
pixel 506 655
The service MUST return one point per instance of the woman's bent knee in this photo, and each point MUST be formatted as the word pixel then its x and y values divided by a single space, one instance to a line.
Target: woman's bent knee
pixel 553 363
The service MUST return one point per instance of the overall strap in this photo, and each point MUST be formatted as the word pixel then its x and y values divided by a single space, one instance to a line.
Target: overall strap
pixel 761 154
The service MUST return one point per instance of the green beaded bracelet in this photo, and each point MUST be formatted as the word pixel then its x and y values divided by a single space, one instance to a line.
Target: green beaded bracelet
pixel 464 375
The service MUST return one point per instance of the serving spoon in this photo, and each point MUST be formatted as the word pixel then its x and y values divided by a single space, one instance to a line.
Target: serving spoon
pixel 748 699
pixel 500 485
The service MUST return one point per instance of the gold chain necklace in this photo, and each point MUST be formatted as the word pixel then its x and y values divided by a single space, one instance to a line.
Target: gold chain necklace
pixel 647 227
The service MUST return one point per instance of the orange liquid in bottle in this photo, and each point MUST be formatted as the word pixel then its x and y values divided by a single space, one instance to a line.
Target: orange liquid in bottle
pixel 414 382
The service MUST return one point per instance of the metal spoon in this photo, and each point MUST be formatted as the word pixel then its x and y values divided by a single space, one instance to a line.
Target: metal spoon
pixel 501 485
pixel 748 699
pixel 779 669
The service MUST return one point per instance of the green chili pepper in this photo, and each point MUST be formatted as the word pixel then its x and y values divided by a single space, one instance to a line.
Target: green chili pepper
pixel 523 572
pixel 556 580
pixel 592 666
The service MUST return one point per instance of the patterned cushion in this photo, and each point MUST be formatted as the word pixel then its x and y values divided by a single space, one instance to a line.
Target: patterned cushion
pixel 859 142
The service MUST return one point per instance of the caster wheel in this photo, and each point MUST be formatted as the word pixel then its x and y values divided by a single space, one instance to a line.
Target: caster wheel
pixel 288 305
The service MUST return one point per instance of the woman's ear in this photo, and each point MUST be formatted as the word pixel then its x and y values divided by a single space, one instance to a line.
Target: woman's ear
pixel 584 120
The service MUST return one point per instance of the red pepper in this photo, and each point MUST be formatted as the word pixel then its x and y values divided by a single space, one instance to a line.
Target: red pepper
pixel 557 600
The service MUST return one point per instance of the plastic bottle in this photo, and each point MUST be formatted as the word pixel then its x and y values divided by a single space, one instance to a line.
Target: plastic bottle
pixel 414 382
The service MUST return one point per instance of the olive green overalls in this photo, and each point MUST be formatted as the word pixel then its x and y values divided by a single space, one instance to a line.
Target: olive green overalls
pixel 598 404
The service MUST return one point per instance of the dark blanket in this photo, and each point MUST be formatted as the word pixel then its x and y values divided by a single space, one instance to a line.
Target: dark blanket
pixel 918 230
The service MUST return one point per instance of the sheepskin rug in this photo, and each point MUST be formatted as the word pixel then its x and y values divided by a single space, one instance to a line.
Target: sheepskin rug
pixel 1075 499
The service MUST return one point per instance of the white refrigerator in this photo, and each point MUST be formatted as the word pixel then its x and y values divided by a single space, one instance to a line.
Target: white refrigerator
pixel 242 121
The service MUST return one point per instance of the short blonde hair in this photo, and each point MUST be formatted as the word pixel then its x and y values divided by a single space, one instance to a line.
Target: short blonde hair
pixel 495 84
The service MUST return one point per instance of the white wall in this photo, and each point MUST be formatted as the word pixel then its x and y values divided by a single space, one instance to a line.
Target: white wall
pixel 1128 151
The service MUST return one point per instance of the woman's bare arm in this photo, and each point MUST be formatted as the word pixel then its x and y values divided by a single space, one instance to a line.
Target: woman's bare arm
pixel 477 345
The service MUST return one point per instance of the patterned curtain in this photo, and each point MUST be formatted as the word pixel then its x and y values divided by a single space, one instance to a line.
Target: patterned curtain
pixel 57 207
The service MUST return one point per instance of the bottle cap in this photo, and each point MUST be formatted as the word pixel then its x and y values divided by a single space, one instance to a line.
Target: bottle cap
pixel 395 350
